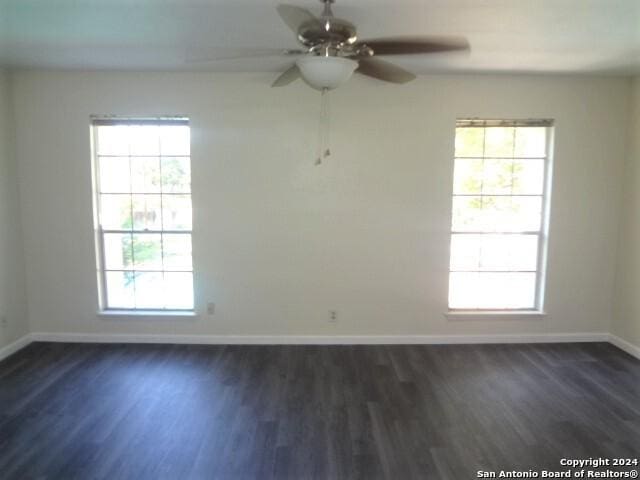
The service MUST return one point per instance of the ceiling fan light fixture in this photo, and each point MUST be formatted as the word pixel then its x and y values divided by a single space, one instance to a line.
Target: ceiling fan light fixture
pixel 322 72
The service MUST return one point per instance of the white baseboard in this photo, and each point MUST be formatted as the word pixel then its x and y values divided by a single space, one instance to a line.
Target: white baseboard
pixel 13 347
pixel 319 339
pixel 630 348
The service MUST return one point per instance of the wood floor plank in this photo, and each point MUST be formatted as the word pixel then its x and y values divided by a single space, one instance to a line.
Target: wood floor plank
pixel 74 411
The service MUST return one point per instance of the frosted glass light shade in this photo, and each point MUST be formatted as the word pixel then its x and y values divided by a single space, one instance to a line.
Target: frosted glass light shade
pixel 326 72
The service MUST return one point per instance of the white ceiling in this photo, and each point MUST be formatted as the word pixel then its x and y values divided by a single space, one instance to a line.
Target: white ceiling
pixel 506 35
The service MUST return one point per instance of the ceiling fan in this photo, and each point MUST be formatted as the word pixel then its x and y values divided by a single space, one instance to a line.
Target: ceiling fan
pixel 332 52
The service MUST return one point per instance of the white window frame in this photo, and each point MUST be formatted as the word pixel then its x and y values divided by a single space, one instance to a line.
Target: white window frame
pixel 95 122
pixel 542 233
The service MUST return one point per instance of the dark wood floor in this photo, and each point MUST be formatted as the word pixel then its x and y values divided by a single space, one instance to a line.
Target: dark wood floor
pixel 232 412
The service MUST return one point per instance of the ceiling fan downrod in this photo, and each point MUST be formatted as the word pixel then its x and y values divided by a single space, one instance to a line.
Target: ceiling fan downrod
pixel 325 34
pixel 327 12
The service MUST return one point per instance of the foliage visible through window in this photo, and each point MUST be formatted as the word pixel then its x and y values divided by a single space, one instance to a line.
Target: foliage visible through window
pixel 143 180
pixel 498 220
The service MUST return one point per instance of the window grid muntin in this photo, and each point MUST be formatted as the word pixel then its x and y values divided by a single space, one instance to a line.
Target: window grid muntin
pixel 540 233
pixel 104 293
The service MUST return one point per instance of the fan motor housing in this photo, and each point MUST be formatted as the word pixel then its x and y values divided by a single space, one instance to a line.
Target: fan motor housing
pixel 332 30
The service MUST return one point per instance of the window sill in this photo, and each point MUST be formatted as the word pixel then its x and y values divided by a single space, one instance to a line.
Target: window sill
pixel 489 315
pixel 164 314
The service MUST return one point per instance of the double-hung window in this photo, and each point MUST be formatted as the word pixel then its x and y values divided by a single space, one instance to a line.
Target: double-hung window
pixel 500 203
pixel 142 190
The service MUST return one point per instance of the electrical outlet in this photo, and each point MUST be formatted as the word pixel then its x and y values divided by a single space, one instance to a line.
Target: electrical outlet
pixel 211 308
pixel 4 323
pixel 333 316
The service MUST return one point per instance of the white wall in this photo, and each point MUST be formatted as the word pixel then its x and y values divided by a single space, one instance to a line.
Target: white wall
pixel 626 321
pixel 277 241
pixel 12 294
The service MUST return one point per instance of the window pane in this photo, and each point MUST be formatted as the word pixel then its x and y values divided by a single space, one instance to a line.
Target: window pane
pixel 497 177
pixel 145 174
pixel 477 290
pixel 494 252
pixel 113 140
pixel 465 251
pixel 499 142
pixel 522 214
pixel 467 214
pixel 463 290
pixel 120 290
pixel 147 251
pixel 177 251
pixel 175 140
pixel 114 175
pixel 469 142
pixel 523 251
pixel 149 290
pixel 496 214
pixel 145 140
pixel 531 142
pixel 176 211
pixel 528 177
pixel 508 252
pixel 467 176
pixel 118 251
pixel 115 212
pixel 176 175
pixel 178 290
pixel 147 214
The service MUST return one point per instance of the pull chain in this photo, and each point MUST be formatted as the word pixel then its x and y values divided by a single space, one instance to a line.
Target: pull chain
pixel 324 127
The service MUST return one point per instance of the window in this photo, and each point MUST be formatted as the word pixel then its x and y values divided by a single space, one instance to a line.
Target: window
pixel 143 211
pixel 498 236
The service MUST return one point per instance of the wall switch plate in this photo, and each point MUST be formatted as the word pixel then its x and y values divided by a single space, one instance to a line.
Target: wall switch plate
pixel 211 308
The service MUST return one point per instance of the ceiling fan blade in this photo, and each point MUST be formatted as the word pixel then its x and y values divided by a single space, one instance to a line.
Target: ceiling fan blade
pixel 290 75
pixel 388 72
pixel 244 54
pixel 295 16
pixel 414 45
